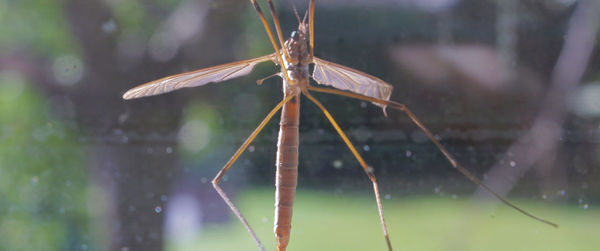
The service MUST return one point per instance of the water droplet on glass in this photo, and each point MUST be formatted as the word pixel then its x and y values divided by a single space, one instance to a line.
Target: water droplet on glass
pixel 366 148
pixel 158 209
pixel 203 180
pixel 544 196
pixel 162 47
pixel 251 149
pixel 387 196
pixel 584 100
pixel 562 192
pixel 363 104
pixel 34 180
pixel 586 206
pixel 512 163
pixel 337 164
pixel 169 150
pixel 68 70
pixel 109 26
pixel 194 135
pixel 408 153
pixel 163 198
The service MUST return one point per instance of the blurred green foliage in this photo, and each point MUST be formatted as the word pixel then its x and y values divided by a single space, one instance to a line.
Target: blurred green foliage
pixel 141 17
pixel 36 25
pixel 43 178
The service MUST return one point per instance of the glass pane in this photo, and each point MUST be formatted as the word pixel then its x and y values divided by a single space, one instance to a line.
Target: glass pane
pixel 510 89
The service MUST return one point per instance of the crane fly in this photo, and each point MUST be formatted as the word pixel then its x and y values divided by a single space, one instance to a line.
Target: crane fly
pixel 294 58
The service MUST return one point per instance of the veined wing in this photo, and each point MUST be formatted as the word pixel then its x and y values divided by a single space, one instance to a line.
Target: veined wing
pixel 346 78
pixel 200 77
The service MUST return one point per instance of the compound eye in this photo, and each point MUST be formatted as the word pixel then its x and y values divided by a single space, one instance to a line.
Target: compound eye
pixel 295 35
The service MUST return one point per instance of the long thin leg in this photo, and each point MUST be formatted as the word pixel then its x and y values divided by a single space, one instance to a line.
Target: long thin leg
pixel 449 157
pixel 232 160
pixel 271 37
pixel 278 29
pixel 366 168
pixel 311 25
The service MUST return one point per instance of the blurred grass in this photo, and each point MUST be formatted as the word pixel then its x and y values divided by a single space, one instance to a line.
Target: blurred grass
pixel 328 221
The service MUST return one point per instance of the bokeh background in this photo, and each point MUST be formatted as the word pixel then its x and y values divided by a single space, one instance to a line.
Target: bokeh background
pixel 510 87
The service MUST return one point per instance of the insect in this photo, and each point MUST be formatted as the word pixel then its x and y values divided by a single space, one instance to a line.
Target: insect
pixel 294 58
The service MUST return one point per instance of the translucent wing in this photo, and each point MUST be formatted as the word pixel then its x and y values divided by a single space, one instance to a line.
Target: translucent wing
pixel 200 77
pixel 345 78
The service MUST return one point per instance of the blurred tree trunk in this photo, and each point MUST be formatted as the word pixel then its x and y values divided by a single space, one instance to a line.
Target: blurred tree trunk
pixel 540 144
pixel 133 143
pixel 125 168
pixel 507 26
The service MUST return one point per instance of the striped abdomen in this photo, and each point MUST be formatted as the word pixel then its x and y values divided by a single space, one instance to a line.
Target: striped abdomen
pixel 286 177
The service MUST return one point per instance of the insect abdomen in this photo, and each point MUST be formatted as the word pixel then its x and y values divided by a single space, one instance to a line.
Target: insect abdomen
pixel 286 178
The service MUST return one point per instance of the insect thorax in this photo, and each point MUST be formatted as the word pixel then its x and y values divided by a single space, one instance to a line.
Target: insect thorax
pixel 297 47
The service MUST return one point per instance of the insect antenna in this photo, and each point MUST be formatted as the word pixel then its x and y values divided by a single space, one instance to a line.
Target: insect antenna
pixel 305 16
pixel 296 13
